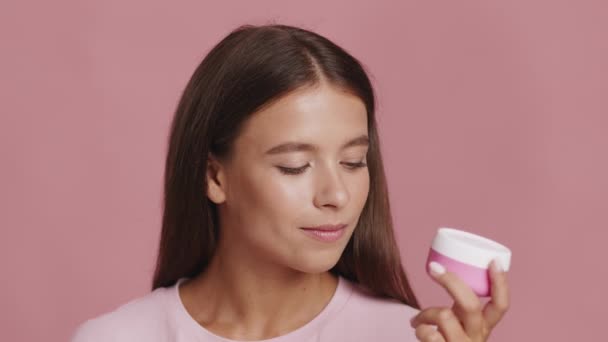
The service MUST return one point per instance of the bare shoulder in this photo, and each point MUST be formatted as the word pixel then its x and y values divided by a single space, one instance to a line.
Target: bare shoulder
pixel 139 319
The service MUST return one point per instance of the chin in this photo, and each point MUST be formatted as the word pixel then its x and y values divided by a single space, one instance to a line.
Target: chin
pixel 319 263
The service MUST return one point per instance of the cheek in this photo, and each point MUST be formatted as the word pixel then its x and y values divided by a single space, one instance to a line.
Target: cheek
pixel 360 189
pixel 274 200
pixel 285 196
pixel 269 198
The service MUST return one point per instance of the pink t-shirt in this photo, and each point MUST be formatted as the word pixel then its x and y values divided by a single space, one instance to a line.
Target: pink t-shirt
pixel 160 316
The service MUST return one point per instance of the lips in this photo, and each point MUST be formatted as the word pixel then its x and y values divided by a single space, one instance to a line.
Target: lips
pixel 326 233
pixel 327 227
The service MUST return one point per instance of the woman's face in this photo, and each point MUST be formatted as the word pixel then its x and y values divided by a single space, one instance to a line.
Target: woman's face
pixel 300 162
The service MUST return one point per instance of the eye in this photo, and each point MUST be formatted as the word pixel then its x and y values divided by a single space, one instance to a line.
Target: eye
pixel 301 169
pixel 356 165
pixel 292 170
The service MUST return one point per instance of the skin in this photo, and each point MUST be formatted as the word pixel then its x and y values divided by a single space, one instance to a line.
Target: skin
pixel 268 277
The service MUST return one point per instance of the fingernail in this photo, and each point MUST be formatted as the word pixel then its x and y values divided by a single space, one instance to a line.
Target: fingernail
pixel 498 265
pixel 437 269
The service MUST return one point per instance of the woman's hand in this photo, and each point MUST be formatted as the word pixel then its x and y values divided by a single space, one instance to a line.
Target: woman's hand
pixel 467 320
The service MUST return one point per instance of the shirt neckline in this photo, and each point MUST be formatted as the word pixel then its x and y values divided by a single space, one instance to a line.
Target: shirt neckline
pixel 340 297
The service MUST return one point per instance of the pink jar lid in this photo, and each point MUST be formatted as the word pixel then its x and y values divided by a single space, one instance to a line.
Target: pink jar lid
pixel 469 248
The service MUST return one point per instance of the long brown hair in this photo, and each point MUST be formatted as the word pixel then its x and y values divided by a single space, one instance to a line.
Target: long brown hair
pixel 251 67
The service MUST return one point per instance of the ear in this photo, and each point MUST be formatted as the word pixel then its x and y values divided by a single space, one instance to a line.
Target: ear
pixel 216 181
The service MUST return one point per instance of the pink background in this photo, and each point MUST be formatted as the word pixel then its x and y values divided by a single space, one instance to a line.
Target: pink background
pixel 493 116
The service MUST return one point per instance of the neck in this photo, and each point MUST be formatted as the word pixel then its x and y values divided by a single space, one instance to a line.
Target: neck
pixel 240 297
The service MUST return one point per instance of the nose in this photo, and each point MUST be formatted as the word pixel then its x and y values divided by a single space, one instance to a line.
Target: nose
pixel 330 190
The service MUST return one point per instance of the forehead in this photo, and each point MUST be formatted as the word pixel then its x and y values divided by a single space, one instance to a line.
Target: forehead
pixel 321 115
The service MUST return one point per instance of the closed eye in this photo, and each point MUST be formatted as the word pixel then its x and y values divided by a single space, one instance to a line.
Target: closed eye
pixel 357 165
pixel 293 170
pixel 301 169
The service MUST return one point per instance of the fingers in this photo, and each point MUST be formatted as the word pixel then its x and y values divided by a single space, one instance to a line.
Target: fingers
pixel 467 305
pixel 428 333
pixel 499 304
pixel 467 319
pixel 446 321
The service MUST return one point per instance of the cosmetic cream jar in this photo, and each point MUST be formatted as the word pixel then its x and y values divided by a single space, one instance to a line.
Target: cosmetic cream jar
pixel 468 256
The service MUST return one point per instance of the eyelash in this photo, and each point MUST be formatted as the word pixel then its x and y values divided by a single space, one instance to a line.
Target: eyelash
pixel 299 170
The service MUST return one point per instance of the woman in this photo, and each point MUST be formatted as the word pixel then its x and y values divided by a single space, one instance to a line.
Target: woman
pixel 276 222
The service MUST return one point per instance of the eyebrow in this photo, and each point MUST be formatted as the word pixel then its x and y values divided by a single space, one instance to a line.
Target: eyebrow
pixel 362 140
